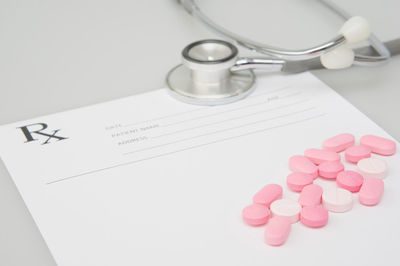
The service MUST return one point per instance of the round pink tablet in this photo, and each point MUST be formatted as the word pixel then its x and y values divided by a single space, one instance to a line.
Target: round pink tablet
pixel 371 191
pixel 314 216
pixel 337 199
pixel 297 181
pixel 277 230
pixel 355 153
pixel 318 156
pixel 299 163
pixel 268 194
pixel 339 143
pixel 372 167
pixel 329 169
pixel 350 180
pixel 378 145
pixel 310 195
pixel 255 214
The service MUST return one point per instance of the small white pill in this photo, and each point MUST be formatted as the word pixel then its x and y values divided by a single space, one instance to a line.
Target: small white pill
pixel 372 168
pixel 286 207
pixel 337 199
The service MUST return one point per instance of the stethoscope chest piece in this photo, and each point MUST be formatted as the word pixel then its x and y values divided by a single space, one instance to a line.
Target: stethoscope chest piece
pixel 205 78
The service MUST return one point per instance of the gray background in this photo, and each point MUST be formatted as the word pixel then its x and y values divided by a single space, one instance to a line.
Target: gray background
pixel 59 55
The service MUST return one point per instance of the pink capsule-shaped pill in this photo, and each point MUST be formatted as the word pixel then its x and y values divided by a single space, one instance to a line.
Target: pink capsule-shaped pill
pixel 310 195
pixel 299 163
pixel 297 181
pixel 378 145
pixel 256 214
pixel 314 216
pixel 268 194
pixel 318 156
pixel 355 153
pixel 371 191
pixel 339 143
pixel 330 169
pixel 277 230
pixel 350 180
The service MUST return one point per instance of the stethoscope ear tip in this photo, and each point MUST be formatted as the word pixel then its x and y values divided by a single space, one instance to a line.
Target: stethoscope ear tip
pixel 339 58
pixel 356 30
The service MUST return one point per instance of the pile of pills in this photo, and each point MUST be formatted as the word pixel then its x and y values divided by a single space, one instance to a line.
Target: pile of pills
pixel 314 202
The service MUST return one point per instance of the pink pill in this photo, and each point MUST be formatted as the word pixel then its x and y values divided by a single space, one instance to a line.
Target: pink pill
pixel 318 156
pixel 314 216
pixel 372 167
pixel 310 195
pixel 379 145
pixel 277 230
pixel 350 180
pixel 268 194
pixel 299 163
pixel 330 169
pixel 371 191
pixel 339 143
pixel 297 181
pixel 355 153
pixel 255 214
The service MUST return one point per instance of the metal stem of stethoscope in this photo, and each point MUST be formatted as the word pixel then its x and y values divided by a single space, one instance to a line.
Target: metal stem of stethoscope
pixel 293 55
pixel 212 73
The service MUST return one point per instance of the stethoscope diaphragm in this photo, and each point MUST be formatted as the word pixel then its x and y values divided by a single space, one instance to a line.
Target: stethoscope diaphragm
pixel 205 76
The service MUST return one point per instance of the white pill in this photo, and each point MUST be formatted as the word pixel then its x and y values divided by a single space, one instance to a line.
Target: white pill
pixel 286 207
pixel 372 168
pixel 337 199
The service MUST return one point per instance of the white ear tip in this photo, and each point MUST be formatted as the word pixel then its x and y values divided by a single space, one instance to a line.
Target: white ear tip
pixel 355 30
pixel 341 57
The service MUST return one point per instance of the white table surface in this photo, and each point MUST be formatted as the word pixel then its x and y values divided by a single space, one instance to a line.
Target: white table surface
pixel 60 55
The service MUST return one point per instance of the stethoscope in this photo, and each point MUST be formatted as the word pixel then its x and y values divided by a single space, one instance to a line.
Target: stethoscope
pixel 211 72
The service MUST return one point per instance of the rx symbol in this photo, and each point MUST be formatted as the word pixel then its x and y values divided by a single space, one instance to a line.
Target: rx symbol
pixel 39 129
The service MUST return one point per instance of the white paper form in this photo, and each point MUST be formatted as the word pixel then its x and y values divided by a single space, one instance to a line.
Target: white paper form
pixel 148 180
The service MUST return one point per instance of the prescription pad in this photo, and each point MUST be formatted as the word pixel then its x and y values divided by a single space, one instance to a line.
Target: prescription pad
pixel 149 180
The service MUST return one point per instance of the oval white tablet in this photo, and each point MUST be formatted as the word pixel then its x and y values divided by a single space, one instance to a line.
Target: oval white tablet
pixel 372 168
pixel 337 199
pixel 286 207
